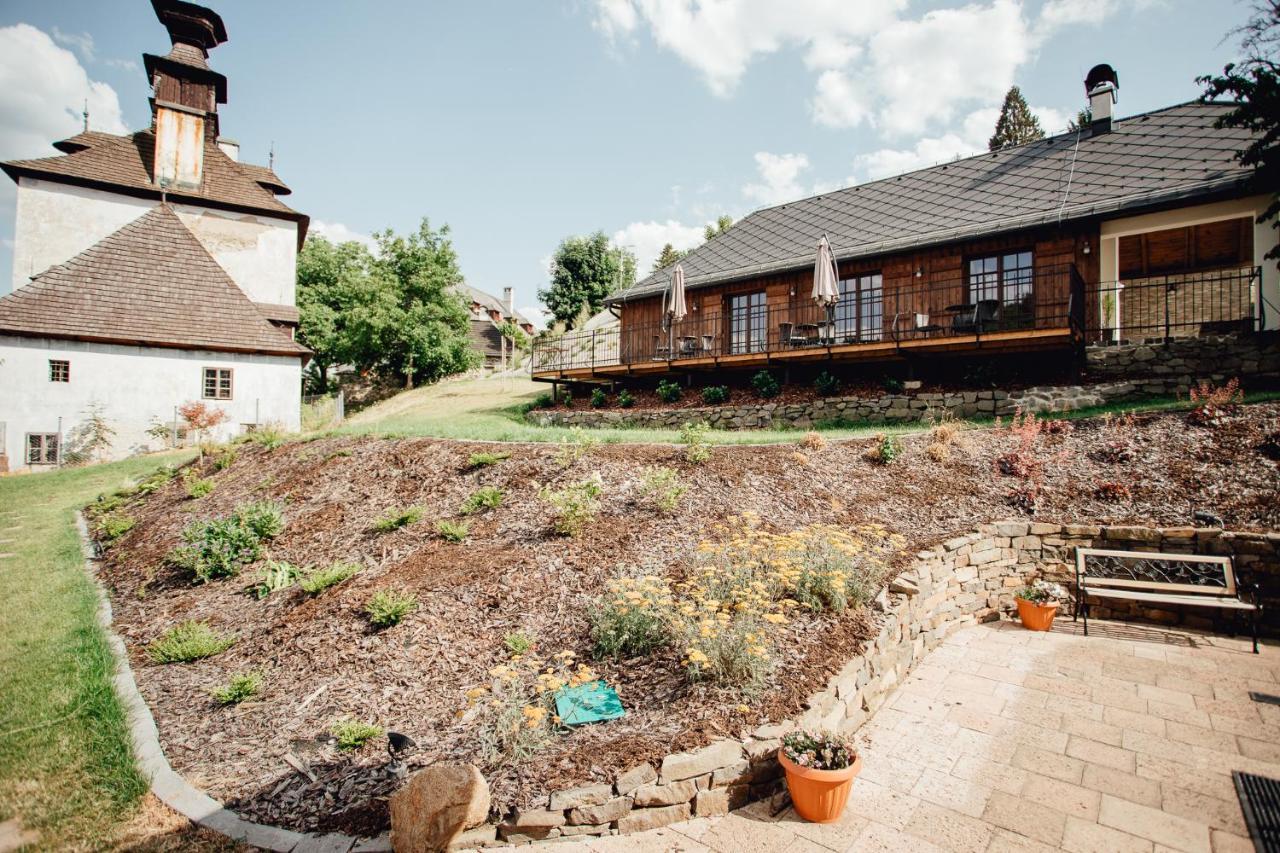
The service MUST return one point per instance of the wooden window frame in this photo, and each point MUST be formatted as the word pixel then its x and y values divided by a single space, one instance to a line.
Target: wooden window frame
pixel 217 383
pixel 1000 270
pixel 44 439
pixel 59 370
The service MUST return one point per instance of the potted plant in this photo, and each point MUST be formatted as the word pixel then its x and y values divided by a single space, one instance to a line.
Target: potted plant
pixel 820 768
pixel 1038 604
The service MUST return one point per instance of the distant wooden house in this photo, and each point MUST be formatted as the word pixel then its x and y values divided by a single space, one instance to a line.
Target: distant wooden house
pixel 488 315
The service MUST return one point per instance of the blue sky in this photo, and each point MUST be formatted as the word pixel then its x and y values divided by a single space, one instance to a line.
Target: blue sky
pixel 518 123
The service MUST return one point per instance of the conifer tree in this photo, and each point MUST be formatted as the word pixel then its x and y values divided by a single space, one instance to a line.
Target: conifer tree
pixel 1016 124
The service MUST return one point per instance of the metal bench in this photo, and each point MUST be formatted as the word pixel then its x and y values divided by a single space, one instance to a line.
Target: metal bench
pixel 1155 578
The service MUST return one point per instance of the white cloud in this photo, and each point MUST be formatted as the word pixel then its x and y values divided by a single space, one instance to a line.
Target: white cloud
pixel 81 43
pixel 720 38
pixel 969 138
pixel 122 64
pixel 646 240
pixel 337 232
pixel 839 101
pixel 43 90
pixel 536 314
pixel 779 179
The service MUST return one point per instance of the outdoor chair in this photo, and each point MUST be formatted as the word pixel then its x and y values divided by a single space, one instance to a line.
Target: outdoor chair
pixel 661 349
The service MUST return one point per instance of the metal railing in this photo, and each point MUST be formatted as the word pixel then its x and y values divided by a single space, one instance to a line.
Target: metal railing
pixel 1048 298
pixel 1174 305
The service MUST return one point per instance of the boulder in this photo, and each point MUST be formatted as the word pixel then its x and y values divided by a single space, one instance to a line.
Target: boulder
pixel 435 805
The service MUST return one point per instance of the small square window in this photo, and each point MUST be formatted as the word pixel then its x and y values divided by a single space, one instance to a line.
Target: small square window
pixel 59 371
pixel 42 448
pixel 217 383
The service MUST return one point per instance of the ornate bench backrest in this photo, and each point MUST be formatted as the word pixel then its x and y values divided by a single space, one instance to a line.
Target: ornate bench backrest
pixel 1155 571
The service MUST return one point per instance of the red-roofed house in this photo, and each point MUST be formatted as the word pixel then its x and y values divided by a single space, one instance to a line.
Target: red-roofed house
pixel 150 270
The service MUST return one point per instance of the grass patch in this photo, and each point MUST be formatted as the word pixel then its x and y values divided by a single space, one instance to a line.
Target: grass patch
pixel 353 734
pixel 388 607
pixel 65 763
pixel 189 641
pixel 489 497
pixel 318 580
pixel 112 526
pixel 517 643
pixel 453 531
pixel 242 686
pixel 483 460
pixel 398 518
pixel 275 577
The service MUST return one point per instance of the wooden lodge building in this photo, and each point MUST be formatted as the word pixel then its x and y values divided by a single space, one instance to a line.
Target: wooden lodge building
pixel 1127 229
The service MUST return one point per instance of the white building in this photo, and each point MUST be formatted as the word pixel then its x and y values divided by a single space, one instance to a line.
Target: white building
pixel 150 270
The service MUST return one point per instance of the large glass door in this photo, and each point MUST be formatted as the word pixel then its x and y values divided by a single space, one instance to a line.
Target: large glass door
pixel 748 322
pixel 859 315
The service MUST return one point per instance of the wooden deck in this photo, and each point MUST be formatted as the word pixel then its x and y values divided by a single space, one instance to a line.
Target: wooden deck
pixel 887 350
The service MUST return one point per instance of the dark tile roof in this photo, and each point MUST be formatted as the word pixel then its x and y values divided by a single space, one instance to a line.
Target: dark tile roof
pixel 126 163
pixel 489 302
pixel 1145 160
pixel 151 284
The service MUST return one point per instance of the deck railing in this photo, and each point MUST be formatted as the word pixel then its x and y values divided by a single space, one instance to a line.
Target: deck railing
pixel 1050 298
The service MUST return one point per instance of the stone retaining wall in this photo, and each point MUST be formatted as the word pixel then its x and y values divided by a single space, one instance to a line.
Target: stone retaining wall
pixel 962 581
pixel 1118 373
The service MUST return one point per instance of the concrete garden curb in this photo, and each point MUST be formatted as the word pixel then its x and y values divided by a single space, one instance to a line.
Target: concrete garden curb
pixel 168 786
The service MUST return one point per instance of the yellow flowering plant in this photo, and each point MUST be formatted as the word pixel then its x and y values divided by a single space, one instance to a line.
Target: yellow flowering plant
pixel 633 617
pixel 515 710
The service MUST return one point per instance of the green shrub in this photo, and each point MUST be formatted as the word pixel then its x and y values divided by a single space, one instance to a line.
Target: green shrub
pixel 885 450
pixel 269 436
pixel 892 384
pixel 575 505
pixel 714 395
pixel 242 686
pixel 488 497
pixel 453 531
pixel 625 399
pixel 317 581
pixel 154 481
pixel 388 607
pixel 543 401
pixel 398 518
pixel 220 548
pixel 517 643
pixel 481 460
pixel 107 503
pixel 199 487
pixel 632 618
pixel 668 391
pixel 276 576
pixel 661 488
pixel 566 397
pixel 694 438
pixel 353 734
pixel 189 641
pixel 113 525
pixel 766 384
pixel 826 385
pixel 598 398
pixel 577 444
pixel 223 460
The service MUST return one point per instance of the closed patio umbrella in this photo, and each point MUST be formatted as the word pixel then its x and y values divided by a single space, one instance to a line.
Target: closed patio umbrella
pixel 826 290
pixel 676 307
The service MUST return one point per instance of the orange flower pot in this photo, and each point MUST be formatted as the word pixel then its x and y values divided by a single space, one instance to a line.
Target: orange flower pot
pixel 819 795
pixel 1037 617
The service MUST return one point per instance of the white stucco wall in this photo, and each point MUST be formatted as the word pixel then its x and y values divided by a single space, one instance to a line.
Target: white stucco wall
pixel 1264 238
pixel 55 222
pixel 136 386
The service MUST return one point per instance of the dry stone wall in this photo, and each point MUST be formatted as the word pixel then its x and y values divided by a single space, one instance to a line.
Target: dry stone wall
pixel 963 581
pixel 1115 374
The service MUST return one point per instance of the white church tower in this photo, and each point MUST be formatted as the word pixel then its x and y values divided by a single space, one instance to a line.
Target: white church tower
pixel 149 271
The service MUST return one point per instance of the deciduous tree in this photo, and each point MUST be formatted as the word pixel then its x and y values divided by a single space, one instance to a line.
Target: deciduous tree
pixel 583 272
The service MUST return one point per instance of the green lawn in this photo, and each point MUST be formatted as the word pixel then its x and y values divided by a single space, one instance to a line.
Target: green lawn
pixel 65 765
pixel 493 410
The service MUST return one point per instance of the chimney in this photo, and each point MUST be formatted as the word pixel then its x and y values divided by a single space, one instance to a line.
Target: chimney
pixel 509 301
pixel 229 147
pixel 1101 85
pixel 185 92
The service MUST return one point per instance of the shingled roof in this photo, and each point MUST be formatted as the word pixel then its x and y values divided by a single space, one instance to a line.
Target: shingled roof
pixel 149 284
pixel 125 163
pixel 1146 160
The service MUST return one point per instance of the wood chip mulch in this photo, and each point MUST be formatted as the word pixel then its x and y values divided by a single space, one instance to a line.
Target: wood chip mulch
pixel 322 661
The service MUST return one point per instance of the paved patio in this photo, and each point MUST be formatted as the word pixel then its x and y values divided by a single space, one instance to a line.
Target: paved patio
pixel 1008 740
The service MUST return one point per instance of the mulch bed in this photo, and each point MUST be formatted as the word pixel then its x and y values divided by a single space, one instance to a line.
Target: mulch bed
pixel 322 661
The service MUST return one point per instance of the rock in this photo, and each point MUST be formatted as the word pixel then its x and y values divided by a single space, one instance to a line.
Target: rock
pixel 665 795
pixel 709 803
pixel 602 813
pixel 481 836
pixel 435 805
pixel 686 765
pixel 591 795
pixel 642 774
pixel 904 584
pixel 769 731
pixel 535 819
pixel 731 775
pixel 601 829
pixel 642 819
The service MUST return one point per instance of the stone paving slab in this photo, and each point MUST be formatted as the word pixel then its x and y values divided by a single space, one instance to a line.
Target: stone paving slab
pixel 1004 739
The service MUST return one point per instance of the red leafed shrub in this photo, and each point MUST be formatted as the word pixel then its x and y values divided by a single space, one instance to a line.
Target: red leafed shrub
pixel 1057 427
pixel 1110 490
pixel 1214 402
pixel 1027 461
pixel 200 417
